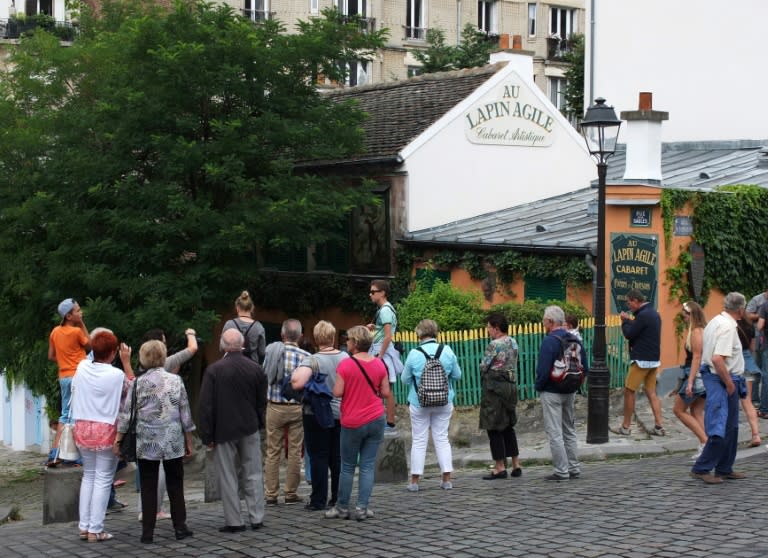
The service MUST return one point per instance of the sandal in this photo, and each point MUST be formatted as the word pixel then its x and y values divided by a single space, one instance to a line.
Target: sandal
pixel 83 535
pixel 755 441
pixel 99 537
pixel 762 415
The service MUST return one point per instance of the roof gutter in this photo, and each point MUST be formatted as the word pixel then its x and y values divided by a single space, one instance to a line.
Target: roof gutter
pixel 385 160
pixel 487 247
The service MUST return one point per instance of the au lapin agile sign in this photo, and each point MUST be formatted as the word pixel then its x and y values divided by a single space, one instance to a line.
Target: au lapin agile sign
pixel 511 114
pixel 634 265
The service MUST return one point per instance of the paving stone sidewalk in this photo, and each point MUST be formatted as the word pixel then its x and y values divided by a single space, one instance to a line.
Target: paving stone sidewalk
pixel 643 504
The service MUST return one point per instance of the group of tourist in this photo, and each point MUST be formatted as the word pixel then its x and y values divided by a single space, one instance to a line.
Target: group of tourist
pixel 719 371
pixel 99 403
pixel 337 402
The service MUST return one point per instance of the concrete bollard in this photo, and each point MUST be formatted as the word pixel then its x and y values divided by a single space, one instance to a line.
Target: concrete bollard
pixel 212 493
pixel 61 494
pixel 391 465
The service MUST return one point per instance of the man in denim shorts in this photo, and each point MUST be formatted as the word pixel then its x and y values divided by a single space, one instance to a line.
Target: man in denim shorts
pixel 643 331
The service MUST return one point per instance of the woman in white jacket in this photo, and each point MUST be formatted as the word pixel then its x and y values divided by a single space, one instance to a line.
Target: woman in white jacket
pixel 98 389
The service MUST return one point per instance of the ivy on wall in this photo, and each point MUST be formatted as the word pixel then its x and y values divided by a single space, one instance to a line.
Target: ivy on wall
pixel 729 224
pixel 511 264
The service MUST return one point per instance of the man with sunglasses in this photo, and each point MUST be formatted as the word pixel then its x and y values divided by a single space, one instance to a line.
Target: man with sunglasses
pixel 384 327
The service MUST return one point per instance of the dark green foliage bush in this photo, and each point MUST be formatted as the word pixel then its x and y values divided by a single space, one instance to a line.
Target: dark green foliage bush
pixel 452 308
pixel 531 311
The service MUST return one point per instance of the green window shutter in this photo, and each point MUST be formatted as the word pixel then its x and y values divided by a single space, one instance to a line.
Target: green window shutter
pixel 544 288
pixel 429 276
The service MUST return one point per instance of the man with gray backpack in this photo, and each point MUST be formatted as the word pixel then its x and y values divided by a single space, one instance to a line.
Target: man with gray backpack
pixel 560 372
pixel 431 370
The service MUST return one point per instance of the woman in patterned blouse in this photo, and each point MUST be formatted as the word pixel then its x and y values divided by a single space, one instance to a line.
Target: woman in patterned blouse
pixel 163 433
pixel 498 412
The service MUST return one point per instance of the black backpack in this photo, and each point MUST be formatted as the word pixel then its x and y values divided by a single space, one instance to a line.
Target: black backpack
pixel 568 370
pixel 433 386
pixel 247 350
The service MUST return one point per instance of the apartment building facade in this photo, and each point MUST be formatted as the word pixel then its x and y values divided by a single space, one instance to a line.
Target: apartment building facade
pixel 541 28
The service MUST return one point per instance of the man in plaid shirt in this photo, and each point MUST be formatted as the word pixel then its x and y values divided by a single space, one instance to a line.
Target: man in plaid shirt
pixel 282 357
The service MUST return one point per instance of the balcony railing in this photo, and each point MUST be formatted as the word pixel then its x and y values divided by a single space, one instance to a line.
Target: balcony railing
pixel 367 24
pixel 257 15
pixel 557 48
pixel 416 33
pixel 15 28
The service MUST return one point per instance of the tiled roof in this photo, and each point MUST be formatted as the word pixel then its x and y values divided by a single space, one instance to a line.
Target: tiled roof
pixel 399 111
pixel 564 222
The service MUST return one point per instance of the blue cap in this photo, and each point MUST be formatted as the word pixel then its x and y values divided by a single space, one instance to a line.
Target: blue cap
pixel 66 306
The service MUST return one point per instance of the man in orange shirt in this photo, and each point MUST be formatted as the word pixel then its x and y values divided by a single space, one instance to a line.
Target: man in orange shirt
pixel 68 344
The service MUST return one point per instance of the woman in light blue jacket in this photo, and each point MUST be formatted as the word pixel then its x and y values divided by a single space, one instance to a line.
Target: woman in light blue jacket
pixel 437 418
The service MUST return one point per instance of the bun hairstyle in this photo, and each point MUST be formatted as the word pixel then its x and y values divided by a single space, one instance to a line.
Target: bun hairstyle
pixel 244 302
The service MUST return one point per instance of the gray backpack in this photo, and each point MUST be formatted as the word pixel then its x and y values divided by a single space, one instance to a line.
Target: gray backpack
pixel 433 387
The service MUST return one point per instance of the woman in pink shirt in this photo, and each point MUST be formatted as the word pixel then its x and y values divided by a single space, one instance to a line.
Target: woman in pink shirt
pixel 361 382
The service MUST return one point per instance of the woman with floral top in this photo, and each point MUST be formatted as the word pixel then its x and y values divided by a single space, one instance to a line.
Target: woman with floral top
pixel 498 413
pixel 163 433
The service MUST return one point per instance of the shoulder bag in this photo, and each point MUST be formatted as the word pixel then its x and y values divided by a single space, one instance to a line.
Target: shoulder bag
pixel 128 441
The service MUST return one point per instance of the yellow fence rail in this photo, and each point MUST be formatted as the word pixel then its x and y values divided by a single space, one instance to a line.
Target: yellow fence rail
pixel 469 346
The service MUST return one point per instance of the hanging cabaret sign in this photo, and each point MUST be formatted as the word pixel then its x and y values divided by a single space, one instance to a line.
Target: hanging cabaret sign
pixel 634 265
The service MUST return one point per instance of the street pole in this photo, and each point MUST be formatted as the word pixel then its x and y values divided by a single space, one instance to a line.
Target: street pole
pixel 599 377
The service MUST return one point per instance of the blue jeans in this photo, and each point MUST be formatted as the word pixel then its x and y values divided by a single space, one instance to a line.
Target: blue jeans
pixel 65 384
pixel 363 442
pixel 719 452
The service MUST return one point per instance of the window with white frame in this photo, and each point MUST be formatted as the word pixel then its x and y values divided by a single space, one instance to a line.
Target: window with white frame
pixel 486 16
pixel 314 6
pixel 414 20
pixel 357 73
pixel 353 7
pixel 557 92
pixel 256 10
pixel 531 19
pixel 562 22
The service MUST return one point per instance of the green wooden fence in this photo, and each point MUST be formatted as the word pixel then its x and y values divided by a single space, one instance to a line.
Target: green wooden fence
pixel 469 346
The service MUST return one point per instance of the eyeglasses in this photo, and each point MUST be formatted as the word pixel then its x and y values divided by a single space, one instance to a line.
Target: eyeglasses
pixel 373 291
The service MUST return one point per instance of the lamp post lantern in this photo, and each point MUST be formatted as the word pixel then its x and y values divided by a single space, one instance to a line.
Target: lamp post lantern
pixel 600 129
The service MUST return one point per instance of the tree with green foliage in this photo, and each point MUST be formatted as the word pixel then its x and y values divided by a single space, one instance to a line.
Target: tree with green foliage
pixel 474 49
pixel 574 78
pixel 143 167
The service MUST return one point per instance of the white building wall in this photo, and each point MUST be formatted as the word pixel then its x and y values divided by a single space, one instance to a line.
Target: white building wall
pixel 452 178
pixel 23 421
pixel 704 61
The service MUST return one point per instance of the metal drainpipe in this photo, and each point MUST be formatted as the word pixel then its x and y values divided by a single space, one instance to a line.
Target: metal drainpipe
pixel 458 21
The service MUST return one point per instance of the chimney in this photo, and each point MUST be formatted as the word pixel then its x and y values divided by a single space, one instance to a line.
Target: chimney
pixel 643 140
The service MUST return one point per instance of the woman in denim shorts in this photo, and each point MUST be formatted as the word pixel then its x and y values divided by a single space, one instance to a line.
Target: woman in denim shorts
pixel 689 398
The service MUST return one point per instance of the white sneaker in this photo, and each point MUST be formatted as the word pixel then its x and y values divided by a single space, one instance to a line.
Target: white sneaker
pixel 446 485
pixel 412 487
pixel 163 515
pixel 140 516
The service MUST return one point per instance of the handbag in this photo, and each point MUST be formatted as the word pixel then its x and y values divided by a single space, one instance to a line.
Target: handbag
pixel 128 441
pixel 67 448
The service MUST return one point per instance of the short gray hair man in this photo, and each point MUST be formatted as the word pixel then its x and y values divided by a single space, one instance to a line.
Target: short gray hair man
pixel 291 330
pixel 734 302
pixel 554 313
